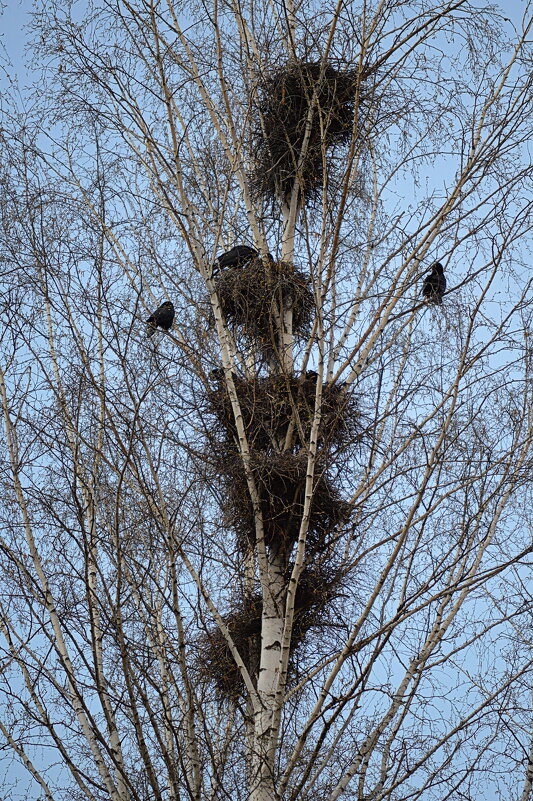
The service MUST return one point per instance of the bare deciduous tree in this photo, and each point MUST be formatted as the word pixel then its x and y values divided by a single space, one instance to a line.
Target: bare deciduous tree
pixel 280 551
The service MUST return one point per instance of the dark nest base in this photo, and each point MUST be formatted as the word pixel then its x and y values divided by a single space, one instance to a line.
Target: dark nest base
pixel 280 480
pixel 272 405
pixel 251 296
pixel 215 662
pixel 284 104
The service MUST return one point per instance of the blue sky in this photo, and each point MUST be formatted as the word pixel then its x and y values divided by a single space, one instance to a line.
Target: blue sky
pixel 14 16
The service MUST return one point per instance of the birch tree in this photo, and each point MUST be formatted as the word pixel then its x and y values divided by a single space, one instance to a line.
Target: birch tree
pixel 280 551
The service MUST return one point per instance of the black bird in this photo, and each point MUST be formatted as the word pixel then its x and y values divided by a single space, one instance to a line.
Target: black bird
pixel 163 317
pixel 216 374
pixel 435 284
pixel 311 375
pixel 236 257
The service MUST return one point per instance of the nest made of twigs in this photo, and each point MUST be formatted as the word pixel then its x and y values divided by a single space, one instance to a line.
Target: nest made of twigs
pixel 285 122
pixel 280 479
pixel 253 297
pixel 215 660
pixel 316 589
pixel 278 412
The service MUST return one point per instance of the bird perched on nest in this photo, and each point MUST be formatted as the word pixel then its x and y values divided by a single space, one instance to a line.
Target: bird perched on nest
pixel 435 284
pixel 163 317
pixel 216 374
pixel 312 376
pixel 236 257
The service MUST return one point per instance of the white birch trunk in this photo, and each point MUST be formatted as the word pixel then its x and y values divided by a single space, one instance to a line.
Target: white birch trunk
pixel 264 747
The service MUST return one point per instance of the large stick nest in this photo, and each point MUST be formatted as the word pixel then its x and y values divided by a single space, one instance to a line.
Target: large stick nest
pixel 215 660
pixel 302 102
pixel 280 480
pixel 316 589
pixel 278 411
pixel 253 297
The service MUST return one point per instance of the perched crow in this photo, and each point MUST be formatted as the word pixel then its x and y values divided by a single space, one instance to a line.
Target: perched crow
pixel 236 257
pixel 216 374
pixel 434 284
pixel 163 317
